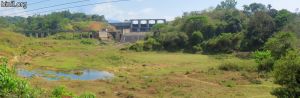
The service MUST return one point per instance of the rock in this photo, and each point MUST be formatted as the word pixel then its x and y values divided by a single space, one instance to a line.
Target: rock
pixel 78 73
pixel 102 93
pixel 144 65
pixel 118 93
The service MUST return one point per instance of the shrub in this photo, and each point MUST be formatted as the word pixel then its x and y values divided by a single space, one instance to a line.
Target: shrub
pixel 230 66
pixel 151 44
pixel 12 86
pixel 266 65
pixel 265 61
pixel 287 74
pixel 280 43
pixel 60 91
pixel 173 41
pixel 138 46
pixel 197 48
pixel 225 43
pixel 233 65
pixel 170 41
pixel 196 38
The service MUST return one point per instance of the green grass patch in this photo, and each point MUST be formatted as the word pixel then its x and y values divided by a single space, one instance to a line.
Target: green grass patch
pixel 238 65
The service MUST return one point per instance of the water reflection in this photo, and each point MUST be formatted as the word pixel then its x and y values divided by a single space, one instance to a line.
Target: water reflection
pixel 78 75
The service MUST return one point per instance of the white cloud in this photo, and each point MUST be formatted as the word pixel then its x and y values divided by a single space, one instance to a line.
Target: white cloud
pixel 113 12
pixel 108 10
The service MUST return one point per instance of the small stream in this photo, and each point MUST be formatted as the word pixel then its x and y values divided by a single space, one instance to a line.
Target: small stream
pixel 77 75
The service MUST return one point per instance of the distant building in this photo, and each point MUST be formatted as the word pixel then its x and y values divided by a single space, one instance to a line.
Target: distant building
pixel 103 34
pixel 137 25
pixel 134 29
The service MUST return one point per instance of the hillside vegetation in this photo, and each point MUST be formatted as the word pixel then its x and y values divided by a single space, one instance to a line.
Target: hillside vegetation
pixel 10 42
pixel 55 22
pixel 223 29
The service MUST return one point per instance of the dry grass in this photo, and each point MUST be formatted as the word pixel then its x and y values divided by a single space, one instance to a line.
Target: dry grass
pixel 141 74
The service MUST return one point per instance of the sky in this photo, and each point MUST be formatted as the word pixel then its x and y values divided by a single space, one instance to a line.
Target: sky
pixel 136 9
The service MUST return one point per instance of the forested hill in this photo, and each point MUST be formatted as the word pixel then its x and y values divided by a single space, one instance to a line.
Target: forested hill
pixel 64 20
pixel 223 29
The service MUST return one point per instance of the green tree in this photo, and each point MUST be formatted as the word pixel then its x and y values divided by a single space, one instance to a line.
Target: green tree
pixel 260 28
pixel 280 43
pixel 224 43
pixel 173 41
pixel 196 38
pixel 293 26
pixel 227 4
pixel 273 13
pixel 196 41
pixel 235 21
pixel 138 46
pixel 151 44
pixel 287 74
pixel 158 28
pixel 253 8
pixel 282 18
pixel 227 20
pixel 198 23
pixel 3 22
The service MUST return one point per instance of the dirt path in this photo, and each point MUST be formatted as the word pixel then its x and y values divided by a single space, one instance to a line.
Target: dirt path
pixel 204 82
pixel 268 86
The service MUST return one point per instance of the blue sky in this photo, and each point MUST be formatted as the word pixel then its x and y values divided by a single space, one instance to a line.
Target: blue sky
pixel 141 8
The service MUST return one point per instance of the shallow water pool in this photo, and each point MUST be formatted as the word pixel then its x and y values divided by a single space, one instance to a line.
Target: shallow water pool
pixel 73 75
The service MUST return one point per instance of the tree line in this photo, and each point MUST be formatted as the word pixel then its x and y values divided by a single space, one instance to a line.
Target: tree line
pixel 223 29
pixel 56 21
